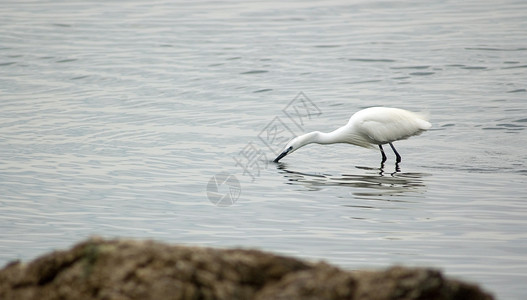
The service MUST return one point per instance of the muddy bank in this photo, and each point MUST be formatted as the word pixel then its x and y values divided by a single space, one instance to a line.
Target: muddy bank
pixel 125 269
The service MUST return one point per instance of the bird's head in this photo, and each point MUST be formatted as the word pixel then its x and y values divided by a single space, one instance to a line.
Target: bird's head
pixel 289 148
pixel 295 144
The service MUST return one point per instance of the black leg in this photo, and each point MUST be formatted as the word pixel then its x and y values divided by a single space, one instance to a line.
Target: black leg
pixel 398 157
pixel 383 155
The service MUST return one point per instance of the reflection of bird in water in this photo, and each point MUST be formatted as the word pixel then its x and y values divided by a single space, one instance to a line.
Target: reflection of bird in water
pixel 366 128
pixel 372 183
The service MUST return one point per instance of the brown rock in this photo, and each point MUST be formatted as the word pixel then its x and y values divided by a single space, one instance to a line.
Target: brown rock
pixel 123 269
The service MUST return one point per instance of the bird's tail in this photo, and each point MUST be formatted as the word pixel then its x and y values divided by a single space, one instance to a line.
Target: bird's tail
pixel 422 121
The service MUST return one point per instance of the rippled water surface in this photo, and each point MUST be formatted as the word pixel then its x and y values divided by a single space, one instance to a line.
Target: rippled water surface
pixel 114 117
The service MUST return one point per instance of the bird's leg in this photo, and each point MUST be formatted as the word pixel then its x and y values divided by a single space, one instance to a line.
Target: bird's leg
pixel 398 157
pixel 383 155
pixel 397 168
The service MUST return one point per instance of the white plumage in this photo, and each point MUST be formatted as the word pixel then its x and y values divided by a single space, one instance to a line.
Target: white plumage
pixel 367 128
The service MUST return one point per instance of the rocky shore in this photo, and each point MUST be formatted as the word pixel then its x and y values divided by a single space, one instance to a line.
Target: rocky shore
pixel 126 269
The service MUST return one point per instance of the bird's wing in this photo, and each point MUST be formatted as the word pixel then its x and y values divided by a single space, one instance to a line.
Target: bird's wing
pixel 388 125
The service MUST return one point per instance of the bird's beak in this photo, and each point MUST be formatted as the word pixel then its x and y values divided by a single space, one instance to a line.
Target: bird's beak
pixel 279 157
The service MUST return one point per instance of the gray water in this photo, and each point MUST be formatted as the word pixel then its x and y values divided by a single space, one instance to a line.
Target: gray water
pixel 114 117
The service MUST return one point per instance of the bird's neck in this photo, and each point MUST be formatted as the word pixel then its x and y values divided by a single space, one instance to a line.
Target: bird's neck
pixel 343 134
pixel 322 137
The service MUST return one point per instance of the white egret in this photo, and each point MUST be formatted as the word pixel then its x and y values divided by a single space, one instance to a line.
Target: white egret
pixel 367 128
